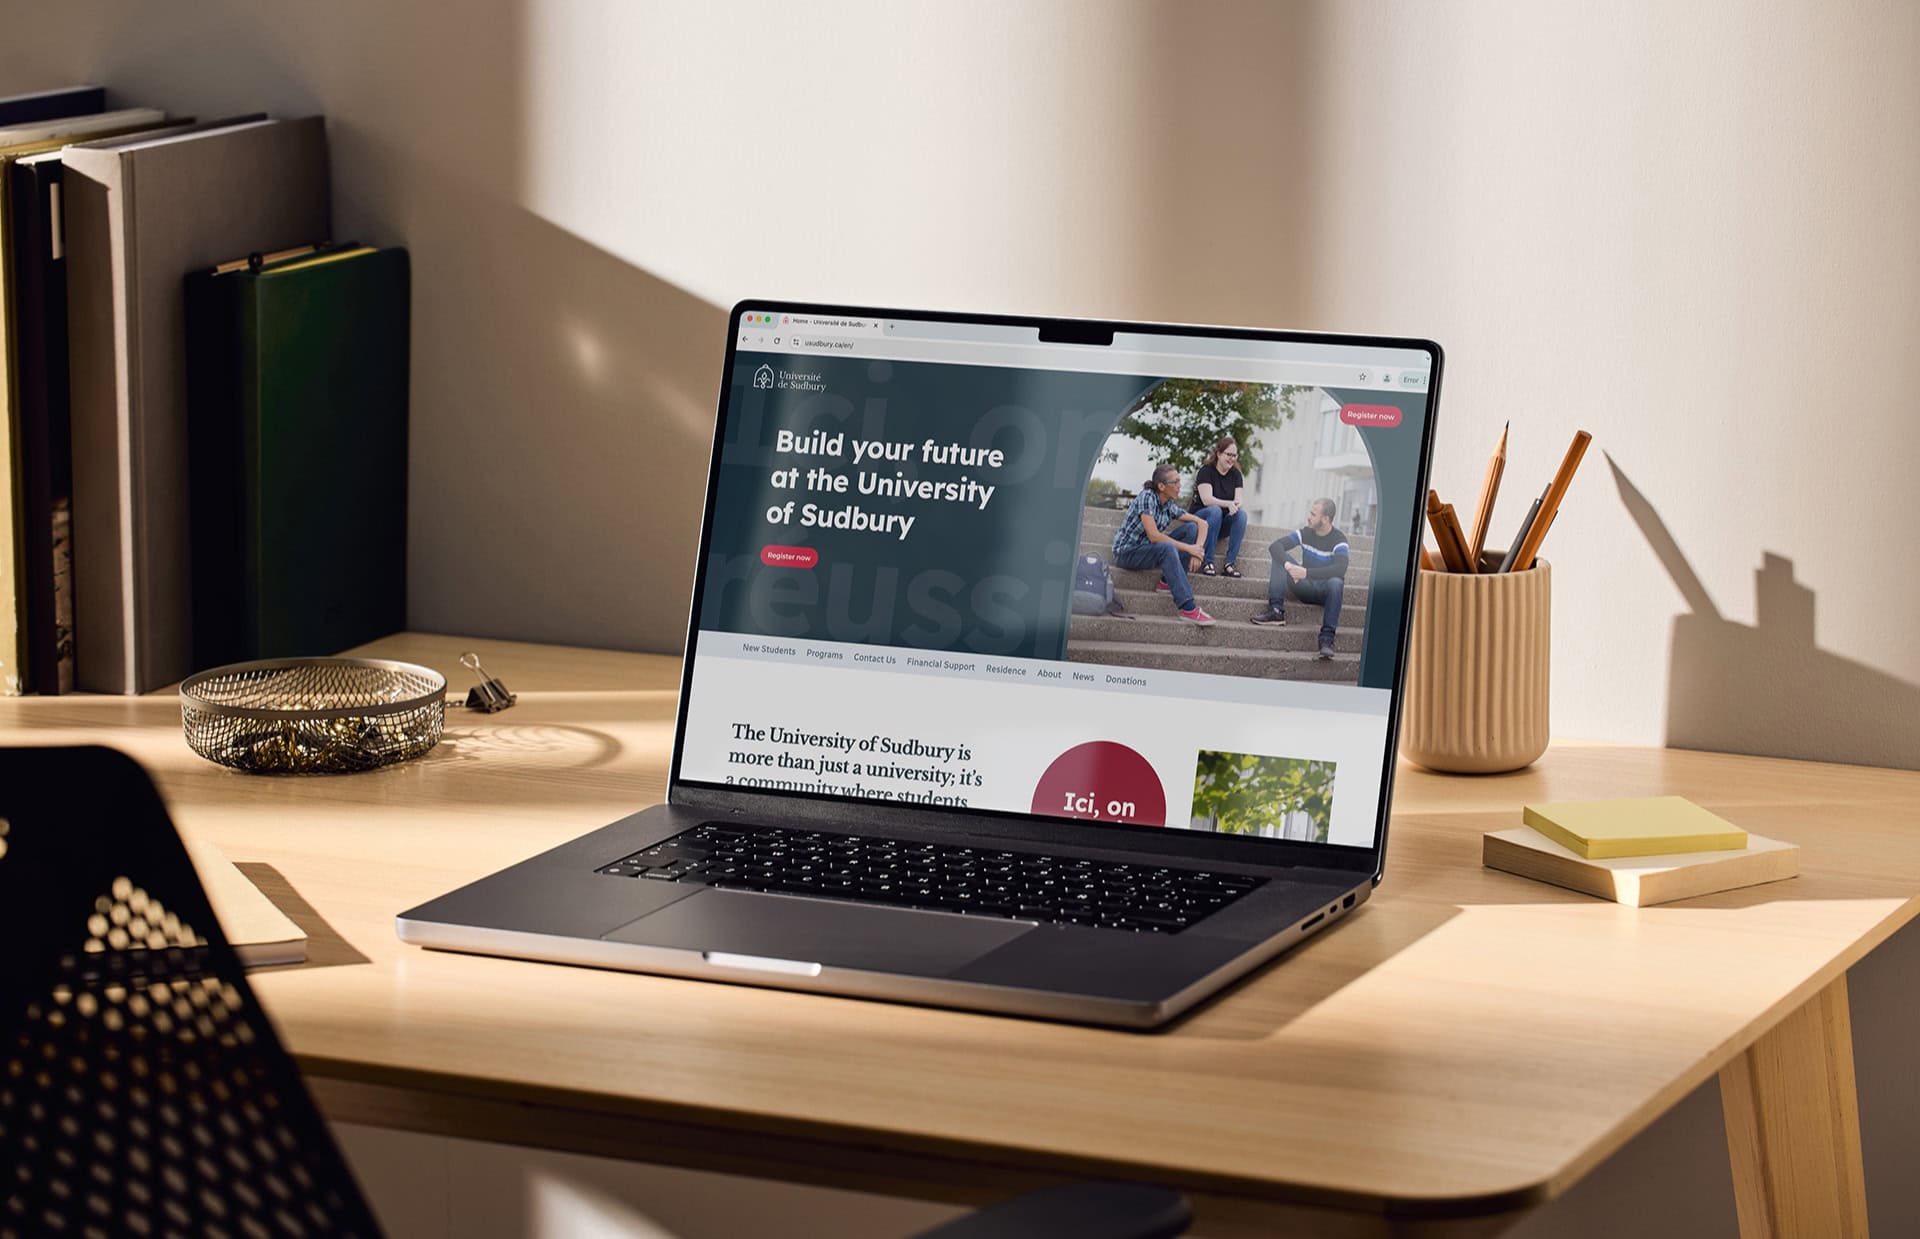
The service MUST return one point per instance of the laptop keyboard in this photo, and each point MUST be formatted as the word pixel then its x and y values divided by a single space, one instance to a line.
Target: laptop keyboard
pixel 979 881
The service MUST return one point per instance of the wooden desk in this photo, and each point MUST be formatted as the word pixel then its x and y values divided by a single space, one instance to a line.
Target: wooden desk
pixel 1465 1048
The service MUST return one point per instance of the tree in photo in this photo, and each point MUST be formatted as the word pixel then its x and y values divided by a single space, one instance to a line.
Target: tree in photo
pixel 1244 794
pixel 1181 419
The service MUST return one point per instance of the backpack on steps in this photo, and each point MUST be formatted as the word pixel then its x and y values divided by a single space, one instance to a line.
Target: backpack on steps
pixel 1093 589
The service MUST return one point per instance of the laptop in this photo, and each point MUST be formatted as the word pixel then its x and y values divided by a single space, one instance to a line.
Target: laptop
pixel 988 702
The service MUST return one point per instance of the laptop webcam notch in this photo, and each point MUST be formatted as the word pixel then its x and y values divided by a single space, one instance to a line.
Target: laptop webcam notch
pixel 1068 332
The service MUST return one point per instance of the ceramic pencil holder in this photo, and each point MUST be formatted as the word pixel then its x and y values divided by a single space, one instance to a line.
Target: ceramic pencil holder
pixel 1476 700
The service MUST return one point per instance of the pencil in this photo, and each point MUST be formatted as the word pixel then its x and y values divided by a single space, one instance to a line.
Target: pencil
pixel 1446 532
pixel 1550 502
pixel 1519 536
pixel 1489 490
pixel 1426 560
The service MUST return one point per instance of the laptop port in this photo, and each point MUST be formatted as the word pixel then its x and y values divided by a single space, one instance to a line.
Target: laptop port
pixel 1348 901
pixel 1311 921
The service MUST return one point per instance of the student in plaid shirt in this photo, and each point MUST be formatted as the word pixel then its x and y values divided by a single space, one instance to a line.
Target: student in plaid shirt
pixel 1158 534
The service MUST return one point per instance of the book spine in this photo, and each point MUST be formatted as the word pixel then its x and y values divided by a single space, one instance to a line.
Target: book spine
pixel 13 576
pixel 215 468
pixel 130 426
pixel 249 408
pixel 59 424
pixel 94 275
pixel 39 315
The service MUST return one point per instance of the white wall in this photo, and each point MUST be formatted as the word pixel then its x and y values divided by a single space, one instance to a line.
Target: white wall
pixel 1692 230
pixel 1689 229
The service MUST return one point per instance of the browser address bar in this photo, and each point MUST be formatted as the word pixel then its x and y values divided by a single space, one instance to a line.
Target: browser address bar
pixel 1103 361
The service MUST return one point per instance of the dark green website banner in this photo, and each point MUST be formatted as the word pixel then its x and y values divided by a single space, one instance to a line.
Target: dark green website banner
pixel 1393 445
pixel 938 507
pixel 904 503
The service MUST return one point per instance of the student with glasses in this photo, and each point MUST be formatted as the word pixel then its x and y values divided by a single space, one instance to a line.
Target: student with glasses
pixel 1216 501
pixel 1157 533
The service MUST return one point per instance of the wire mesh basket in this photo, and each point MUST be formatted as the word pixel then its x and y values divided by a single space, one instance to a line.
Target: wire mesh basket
pixel 313 715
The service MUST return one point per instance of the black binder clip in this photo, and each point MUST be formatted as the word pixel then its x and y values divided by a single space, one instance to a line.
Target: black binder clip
pixel 489 695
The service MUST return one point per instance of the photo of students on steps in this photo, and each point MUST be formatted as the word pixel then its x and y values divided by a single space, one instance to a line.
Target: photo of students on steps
pixel 1157 533
pixel 1320 576
pixel 1216 500
pixel 1265 464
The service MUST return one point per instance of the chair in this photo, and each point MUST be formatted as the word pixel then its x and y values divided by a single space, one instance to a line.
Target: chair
pixel 142 1089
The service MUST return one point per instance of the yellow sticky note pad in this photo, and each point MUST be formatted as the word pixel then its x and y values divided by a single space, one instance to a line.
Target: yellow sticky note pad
pixel 1656 826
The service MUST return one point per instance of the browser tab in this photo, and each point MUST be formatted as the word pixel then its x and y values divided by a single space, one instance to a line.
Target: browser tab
pixel 837 325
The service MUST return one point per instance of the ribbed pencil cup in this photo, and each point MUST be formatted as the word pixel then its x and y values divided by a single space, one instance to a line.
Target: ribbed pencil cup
pixel 1477 673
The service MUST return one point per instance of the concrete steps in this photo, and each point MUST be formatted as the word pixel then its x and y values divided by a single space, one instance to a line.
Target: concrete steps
pixel 1254 562
pixel 1105 521
pixel 1257 664
pixel 1238 608
pixel 1127 580
pixel 1164 628
pixel 1157 638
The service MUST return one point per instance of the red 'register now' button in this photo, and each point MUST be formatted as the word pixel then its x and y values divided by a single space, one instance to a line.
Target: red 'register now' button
pixel 1383 415
pixel 789 556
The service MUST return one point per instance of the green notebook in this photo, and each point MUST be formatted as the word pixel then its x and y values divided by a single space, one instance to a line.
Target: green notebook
pixel 1659 826
pixel 297 428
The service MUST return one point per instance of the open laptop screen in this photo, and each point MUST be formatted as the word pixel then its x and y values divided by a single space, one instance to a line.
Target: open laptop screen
pixel 930 576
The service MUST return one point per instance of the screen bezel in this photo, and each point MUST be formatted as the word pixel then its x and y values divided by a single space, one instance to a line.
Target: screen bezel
pixel 853 813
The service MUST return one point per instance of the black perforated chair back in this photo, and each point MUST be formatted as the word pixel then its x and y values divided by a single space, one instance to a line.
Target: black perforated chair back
pixel 142 1089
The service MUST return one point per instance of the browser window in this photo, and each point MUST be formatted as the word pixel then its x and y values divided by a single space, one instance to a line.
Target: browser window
pixel 1158 581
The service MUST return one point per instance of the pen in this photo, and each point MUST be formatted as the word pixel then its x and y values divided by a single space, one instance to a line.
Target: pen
pixel 1489 489
pixel 1519 536
pixel 1550 502
pixel 1446 532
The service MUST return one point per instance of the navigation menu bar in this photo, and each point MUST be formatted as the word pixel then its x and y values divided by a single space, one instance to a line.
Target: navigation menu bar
pixel 1185 686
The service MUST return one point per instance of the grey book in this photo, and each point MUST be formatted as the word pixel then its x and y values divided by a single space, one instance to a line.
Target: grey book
pixel 139 216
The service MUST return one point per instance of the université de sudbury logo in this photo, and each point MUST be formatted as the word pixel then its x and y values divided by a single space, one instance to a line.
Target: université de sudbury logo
pixel 767 378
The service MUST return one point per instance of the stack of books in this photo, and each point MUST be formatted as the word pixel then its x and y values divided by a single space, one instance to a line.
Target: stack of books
pixel 1637 852
pixel 159 451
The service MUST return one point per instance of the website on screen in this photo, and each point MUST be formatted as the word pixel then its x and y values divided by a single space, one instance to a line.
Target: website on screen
pixel 1158 581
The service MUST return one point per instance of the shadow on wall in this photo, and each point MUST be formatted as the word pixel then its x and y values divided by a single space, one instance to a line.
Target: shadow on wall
pixel 562 417
pixel 1766 688
pixel 562 398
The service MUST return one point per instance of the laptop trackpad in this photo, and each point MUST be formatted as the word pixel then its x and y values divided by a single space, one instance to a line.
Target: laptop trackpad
pixel 820 931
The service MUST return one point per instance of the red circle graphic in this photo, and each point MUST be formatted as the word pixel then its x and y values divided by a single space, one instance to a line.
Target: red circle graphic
pixel 1102 781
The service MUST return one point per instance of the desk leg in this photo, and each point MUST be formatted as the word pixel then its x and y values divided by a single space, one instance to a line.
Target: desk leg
pixel 1793 1127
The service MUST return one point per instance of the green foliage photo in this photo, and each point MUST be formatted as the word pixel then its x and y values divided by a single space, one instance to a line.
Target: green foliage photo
pixel 1244 794
pixel 1181 419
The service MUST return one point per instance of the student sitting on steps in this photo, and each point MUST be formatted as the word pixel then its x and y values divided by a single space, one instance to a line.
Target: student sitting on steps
pixel 1320 577
pixel 1145 541
pixel 1216 500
